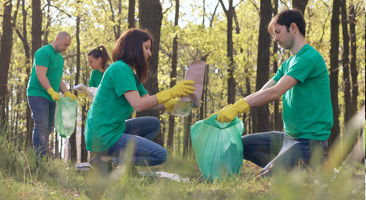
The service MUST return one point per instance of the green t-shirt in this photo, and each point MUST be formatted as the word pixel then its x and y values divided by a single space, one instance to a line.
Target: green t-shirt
pixel 307 107
pixel 95 78
pixel 46 56
pixel 106 118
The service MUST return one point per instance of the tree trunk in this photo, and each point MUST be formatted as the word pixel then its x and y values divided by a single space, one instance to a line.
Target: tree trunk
pixel 203 106
pixel 354 72
pixel 72 138
pixel 36 42
pixel 57 147
pixel 278 123
pixel 151 15
pixel 84 112
pixel 84 152
pixel 264 42
pixel 36 25
pixel 173 75
pixel 300 4
pixel 46 31
pixel 187 135
pixel 24 37
pixel 345 64
pixel 229 12
pixel 131 13
pixel 13 115
pixel 334 70
pixel 230 54
pixel 119 18
pixel 116 28
pixel 248 115
pixel 5 56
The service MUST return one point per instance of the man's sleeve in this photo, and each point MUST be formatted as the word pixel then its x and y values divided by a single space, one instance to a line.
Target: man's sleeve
pixel 301 69
pixel 278 74
pixel 41 58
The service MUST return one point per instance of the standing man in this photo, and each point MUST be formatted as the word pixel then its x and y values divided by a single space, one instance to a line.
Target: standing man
pixel 303 81
pixel 43 89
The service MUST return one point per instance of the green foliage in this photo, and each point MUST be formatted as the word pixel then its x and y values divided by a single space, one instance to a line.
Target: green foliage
pixel 22 177
pixel 196 39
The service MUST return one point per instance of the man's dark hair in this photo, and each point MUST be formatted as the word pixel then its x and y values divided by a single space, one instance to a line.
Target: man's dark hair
pixel 286 18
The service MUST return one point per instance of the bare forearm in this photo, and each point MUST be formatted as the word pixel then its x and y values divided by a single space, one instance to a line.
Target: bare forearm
pixel 271 91
pixel 141 103
pixel 262 97
pixel 158 107
pixel 44 81
pixel 41 72
pixel 146 103
pixel 269 84
pixel 63 87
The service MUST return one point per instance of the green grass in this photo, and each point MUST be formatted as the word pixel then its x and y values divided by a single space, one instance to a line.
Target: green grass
pixel 22 178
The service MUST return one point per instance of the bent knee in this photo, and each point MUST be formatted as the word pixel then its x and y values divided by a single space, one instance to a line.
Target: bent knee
pixel 162 156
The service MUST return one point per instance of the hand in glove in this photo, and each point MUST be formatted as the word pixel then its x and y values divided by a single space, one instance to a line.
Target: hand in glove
pixel 227 106
pixel 170 104
pixel 71 96
pixel 54 95
pixel 228 114
pixel 183 88
pixel 82 94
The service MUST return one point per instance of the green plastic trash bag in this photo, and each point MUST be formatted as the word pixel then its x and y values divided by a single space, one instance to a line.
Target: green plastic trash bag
pixel 218 147
pixel 65 119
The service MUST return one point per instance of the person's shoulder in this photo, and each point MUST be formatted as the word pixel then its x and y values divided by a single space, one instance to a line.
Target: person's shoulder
pixel 285 63
pixel 42 49
pixel 119 67
pixel 310 50
pixel 46 50
pixel 94 72
pixel 311 54
pixel 47 47
pixel 310 57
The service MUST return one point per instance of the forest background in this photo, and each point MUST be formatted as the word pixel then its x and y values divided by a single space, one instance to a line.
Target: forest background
pixel 230 36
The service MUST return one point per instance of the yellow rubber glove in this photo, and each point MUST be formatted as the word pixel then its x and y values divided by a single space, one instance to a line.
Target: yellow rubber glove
pixel 82 94
pixel 227 106
pixel 54 95
pixel 170 104
pixel 183 88
pixel 72 96
pixel 228 114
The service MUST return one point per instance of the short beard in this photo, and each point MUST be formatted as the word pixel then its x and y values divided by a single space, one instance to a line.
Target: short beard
pixel 57 49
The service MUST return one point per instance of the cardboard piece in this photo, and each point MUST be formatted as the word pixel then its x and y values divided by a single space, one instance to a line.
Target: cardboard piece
pixel 195 72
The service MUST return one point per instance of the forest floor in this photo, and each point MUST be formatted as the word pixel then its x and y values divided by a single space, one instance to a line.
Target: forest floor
pixel 22 178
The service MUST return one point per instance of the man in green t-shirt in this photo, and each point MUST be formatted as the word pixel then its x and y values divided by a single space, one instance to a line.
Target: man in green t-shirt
pixel 43 89
pixel 303 81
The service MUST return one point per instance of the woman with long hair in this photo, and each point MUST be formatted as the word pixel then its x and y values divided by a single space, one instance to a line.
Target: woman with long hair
pixel 120 92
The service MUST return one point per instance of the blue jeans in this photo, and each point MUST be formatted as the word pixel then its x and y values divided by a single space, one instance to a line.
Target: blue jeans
pixel 276 150
pixel 43 114
pixel 146 152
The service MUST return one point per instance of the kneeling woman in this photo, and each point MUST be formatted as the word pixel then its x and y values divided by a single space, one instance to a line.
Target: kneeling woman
pixel 120 92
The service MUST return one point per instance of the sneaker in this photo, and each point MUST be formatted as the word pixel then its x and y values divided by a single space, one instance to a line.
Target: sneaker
pixel 101 166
